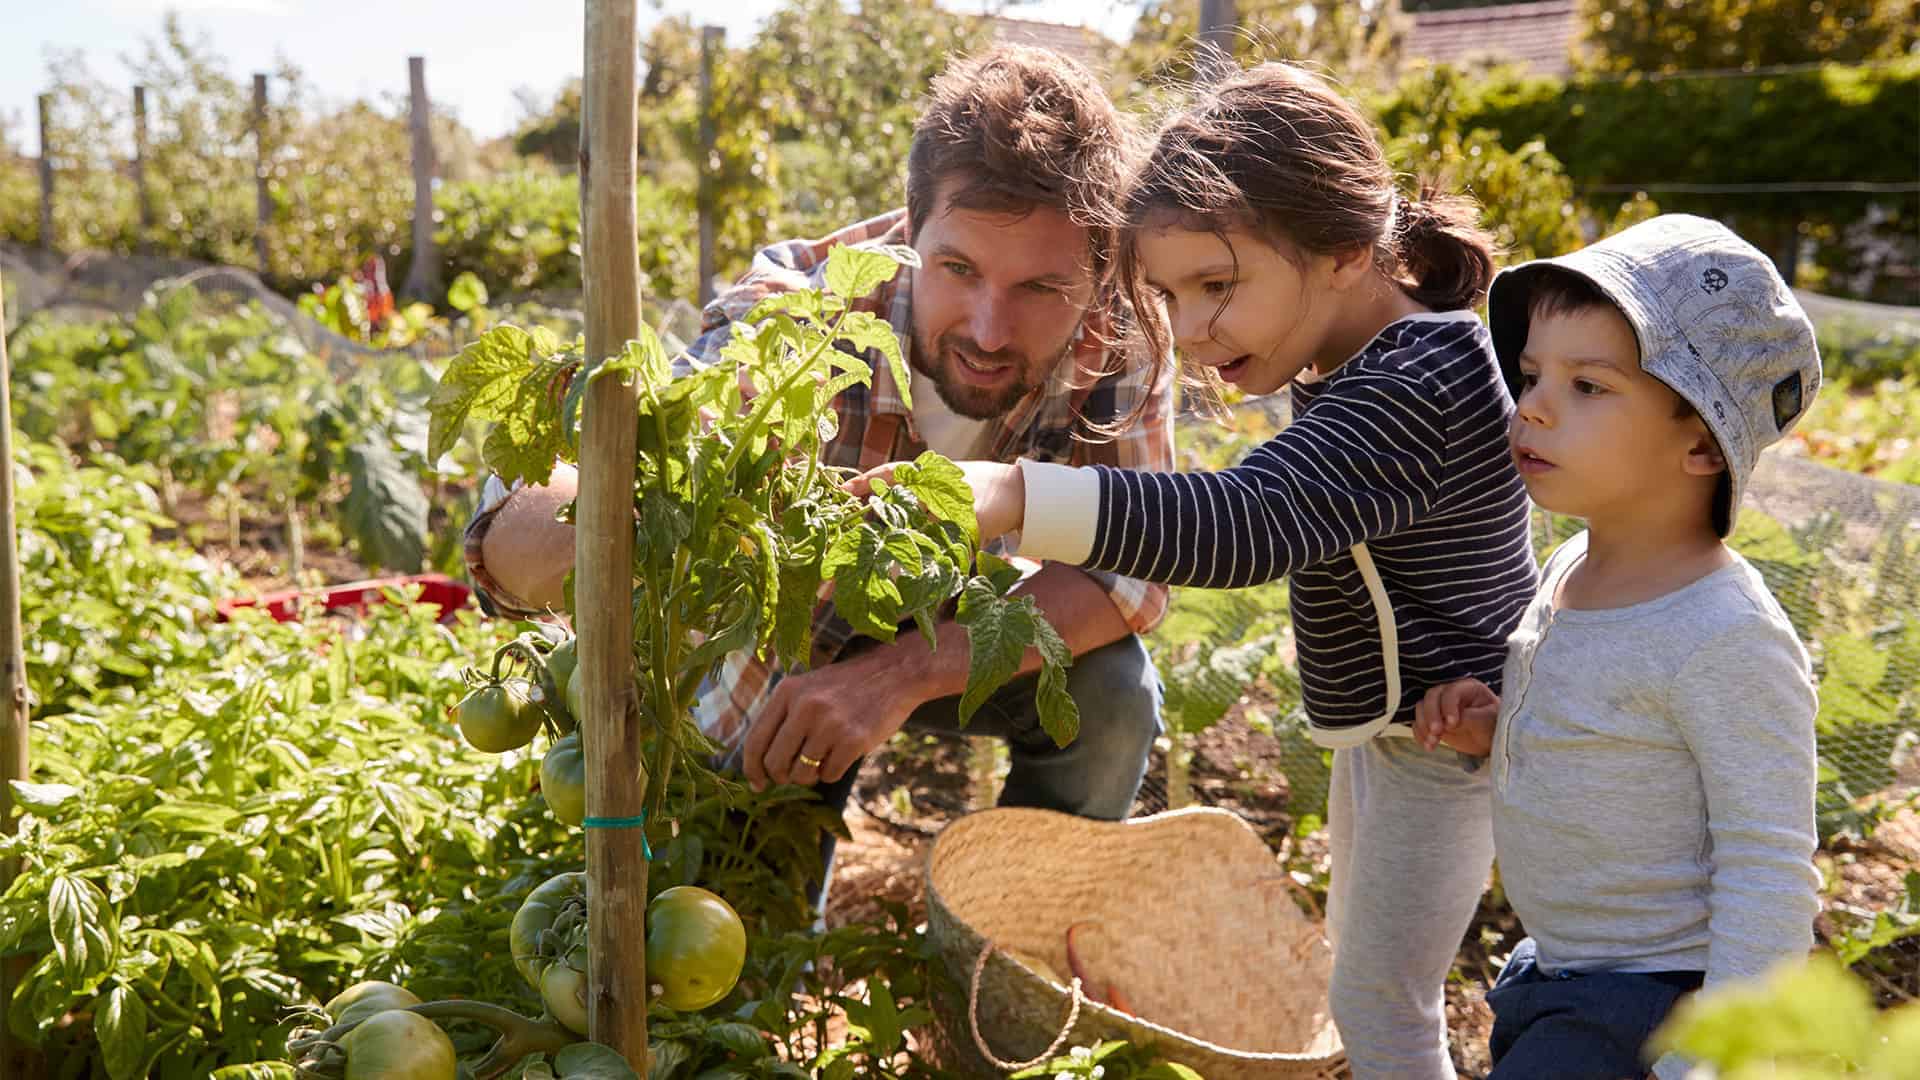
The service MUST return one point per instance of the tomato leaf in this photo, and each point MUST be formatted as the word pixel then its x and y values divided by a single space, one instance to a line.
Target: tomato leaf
pixel 476 382
pixel 854 272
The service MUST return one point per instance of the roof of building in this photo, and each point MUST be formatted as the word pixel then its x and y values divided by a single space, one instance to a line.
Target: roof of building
pixel 1539 34
pixel 1083 43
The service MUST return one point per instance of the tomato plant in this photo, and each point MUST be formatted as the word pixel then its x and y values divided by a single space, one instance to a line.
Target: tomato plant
pixel 739 524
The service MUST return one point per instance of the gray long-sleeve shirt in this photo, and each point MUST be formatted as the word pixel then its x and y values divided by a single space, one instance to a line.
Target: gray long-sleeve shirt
pixel 1654 776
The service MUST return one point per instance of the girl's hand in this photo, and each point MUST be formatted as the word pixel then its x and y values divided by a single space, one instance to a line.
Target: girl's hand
pixel 1460 714
pixel 999 493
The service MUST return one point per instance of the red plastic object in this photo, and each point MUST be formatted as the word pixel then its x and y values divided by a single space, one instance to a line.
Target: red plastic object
pixel 354 597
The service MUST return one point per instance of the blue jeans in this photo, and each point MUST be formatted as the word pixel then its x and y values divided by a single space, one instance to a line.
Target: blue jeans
pixel 1096 775
pixel 1572 1026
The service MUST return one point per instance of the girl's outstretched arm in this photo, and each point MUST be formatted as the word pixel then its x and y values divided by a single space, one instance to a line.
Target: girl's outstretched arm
pixel 1367 459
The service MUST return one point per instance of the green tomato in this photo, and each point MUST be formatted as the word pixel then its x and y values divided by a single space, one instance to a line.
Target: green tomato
pixel 502 717
pixel 561 663
pixel 563 780
pixel 696 947
pixel 563 989
pixel 577 695
pixel 399 1045
pixel 363 999
pixel 536 916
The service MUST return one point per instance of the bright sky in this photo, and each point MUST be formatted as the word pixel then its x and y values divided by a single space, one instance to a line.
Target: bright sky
pixel 478 52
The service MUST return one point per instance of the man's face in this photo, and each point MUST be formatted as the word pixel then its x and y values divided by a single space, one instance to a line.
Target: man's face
pixel 997 301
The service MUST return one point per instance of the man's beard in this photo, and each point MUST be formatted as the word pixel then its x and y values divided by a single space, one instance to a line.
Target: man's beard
pixel 976 402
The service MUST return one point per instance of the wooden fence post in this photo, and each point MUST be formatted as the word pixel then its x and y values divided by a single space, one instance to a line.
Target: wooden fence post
pixel 262 205
pixel 603 539
pixel 140 168
pixel 16 1059
pixel 712 39
pixel 46 172
pixel 1216 38
pixel 423 277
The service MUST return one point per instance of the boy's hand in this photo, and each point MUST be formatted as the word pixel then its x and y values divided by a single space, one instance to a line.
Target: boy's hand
pixel 999 493
pixel 1460 714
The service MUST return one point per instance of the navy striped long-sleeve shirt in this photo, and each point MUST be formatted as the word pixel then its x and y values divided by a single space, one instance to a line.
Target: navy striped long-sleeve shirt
pixel 1403 449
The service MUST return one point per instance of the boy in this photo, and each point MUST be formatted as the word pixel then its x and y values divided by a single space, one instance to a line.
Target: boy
pixel 1653 755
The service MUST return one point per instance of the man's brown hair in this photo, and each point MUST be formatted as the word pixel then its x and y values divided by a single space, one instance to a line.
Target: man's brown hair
pixel 1021 127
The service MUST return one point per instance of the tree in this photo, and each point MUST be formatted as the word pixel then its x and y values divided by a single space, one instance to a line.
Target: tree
pixel 1624 36
pixel 842 90
pixel 1355 43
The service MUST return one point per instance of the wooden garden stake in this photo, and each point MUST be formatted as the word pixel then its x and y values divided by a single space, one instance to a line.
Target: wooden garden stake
pixel 423 277
pixel 713 39
pixel 603 539
pixel 262 201
pixel 145 244
pixel 1216 36
pixel 46 172
pixel 16 1060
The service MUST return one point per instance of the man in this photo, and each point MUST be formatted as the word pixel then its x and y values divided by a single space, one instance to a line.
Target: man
pixel 1012 327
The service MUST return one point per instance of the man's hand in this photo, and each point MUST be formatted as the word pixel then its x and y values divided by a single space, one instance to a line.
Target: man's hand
pixel 999 493
pixel 1460 714
pixel 818 724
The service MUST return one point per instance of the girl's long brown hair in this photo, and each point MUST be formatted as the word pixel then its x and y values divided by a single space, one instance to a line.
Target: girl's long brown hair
pixel 1274 150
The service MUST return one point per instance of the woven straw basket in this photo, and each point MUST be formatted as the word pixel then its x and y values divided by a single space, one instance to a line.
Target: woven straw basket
pixel 1187 913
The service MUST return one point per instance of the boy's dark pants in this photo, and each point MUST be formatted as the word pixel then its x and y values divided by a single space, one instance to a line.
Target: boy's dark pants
pixel 1577 1027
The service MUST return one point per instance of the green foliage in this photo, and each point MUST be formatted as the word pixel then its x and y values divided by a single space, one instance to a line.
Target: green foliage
pixel 739 523
pixel 1644 36
pixel 1808 1021
pixel 1835 124
pixel 103 605
pixel 843 141
pixel 272 812
pixel 1356 44
pixel 231 405
pixel 1115 1060
pixel 1526 196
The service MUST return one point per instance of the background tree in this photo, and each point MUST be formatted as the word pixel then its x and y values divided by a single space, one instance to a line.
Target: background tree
pixel 1645 36
pixel 1357 44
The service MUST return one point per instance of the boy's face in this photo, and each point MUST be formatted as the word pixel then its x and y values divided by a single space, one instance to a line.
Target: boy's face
pixel 1595 436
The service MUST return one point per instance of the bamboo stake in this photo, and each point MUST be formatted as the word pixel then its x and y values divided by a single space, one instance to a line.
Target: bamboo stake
pixel 16 1059
pixel 603 541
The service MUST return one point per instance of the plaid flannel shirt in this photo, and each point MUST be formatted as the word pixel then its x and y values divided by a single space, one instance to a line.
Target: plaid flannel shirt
pixel 1051 424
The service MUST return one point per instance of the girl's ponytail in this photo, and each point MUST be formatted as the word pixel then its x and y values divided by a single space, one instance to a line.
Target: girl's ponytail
pixel 1441 248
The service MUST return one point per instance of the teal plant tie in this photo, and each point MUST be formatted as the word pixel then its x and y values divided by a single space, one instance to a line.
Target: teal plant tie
pixel 639 822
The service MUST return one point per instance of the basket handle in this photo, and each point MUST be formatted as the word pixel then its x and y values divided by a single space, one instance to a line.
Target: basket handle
pixel 973 1019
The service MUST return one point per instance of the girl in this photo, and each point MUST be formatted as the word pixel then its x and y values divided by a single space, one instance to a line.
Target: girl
pixel 1264 236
